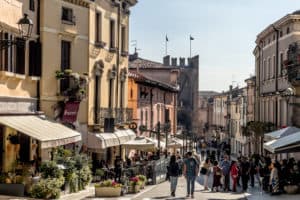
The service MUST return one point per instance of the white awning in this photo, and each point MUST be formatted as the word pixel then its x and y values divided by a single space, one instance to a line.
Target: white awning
pixel 284 144
pixel 281 133
pixel 49 133
pixel 125 135
pixel 140 143
pixel 105 140
pixel 162 144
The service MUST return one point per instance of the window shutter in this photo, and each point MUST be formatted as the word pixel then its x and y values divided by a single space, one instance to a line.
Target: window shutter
pixel 20 57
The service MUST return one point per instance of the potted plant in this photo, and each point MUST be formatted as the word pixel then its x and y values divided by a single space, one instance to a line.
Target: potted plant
pixel 134 185
pixel 108 188
pixel 142 179
pixel 291 186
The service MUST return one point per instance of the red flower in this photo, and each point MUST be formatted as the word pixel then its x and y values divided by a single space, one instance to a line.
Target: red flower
pixel 134 179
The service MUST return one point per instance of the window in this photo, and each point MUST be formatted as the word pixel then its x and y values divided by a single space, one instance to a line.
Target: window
pixel 269 68
pixel 20 57
pixel 287 30
pixel 98 27
pixel 142 117
pixel 67 15
pixel 65 62
pixel 280 64
pixel 112 34
pixel 111 93
pixel 35 58
pixel 274 67
pixel 31 5
pixel 280 34
pixel 123 39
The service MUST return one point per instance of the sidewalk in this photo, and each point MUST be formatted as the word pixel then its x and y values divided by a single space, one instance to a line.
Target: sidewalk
pixel 162 191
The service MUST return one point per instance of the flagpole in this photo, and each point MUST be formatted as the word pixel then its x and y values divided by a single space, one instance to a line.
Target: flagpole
pixel 190 47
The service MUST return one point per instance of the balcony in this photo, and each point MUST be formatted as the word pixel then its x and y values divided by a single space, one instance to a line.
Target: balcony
pixel 121 115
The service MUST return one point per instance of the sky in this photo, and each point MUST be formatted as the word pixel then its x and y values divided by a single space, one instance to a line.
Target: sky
pixel 224 33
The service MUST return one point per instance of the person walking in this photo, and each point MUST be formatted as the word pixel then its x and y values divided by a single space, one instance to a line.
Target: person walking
pixel 245 170
pixel 205 171
pixel 274 178
pixel 225 166
pixel 173 172
pixel 217 172
pixel 234 174
pixel 190 171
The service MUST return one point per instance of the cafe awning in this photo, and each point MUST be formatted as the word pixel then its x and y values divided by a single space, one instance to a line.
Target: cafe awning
pixel 140 143
pixel 290 143
pixel 49 133
pixel 105 140
pixel 281 133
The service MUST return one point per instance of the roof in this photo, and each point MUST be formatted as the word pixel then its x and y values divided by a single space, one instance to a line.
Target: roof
pixel 207 93
pixel 297 12
pixel 141 78
pixel 281 132
pixel 148 64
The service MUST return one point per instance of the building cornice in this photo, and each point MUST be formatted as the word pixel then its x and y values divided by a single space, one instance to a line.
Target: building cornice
pixel 278 24
pixel 82 3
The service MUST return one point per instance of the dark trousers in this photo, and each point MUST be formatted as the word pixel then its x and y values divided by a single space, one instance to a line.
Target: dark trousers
pixel 252 179
pixel 245 181
pixel 226 182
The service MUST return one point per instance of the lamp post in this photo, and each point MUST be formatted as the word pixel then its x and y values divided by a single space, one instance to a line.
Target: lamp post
pixel 25 26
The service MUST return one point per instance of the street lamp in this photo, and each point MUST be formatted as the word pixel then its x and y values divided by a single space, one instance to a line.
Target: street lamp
pixel 25 29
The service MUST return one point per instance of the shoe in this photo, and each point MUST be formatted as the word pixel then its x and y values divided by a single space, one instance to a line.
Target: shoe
pixel 206 188
pixel 192 196
pixel 187 195
pixel 173 194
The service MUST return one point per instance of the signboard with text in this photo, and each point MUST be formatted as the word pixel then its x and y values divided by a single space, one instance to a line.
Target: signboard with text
pixel 70 112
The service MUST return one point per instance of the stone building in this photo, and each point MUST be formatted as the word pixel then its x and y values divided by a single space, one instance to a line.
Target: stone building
pixel 204 114
pixel 184 75
pixel 272 105
pixel 152 101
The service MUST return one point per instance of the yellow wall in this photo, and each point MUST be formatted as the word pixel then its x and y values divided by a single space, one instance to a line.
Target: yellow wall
pixel 102 54
pixel 11 84
pixel 53 31
pixel 133 102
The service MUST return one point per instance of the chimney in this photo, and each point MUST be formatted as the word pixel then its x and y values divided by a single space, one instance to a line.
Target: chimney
pixel 133 56
pixel 181 62
pixel 166 60
pixel 174 61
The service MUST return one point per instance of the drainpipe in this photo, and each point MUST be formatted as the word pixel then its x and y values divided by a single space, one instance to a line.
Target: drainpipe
pixel 38 32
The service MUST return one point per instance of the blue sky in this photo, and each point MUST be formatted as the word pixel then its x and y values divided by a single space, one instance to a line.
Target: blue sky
pixel 224 32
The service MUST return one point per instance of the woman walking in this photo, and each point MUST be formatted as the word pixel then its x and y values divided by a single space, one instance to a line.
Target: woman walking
pixel 173 172
pixel 234 174
pixel 274 179
pixel 205 171
pixel 217 172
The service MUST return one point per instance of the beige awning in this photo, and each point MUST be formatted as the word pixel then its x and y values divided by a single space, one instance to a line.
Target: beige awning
pixel 105 140
pixel 49 133
pixel 140 143
pixel 125 135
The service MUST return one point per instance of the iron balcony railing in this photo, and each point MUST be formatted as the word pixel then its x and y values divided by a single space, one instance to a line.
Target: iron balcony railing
pixel 121 115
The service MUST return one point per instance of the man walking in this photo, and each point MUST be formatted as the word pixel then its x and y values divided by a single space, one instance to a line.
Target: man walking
pixel 190 171
pixel 225 166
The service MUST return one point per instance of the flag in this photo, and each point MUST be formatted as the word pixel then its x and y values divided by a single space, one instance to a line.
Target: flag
pixel 191 38
pixel 167 39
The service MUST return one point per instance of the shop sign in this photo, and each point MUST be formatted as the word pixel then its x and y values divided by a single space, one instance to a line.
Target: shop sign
pixel 70 112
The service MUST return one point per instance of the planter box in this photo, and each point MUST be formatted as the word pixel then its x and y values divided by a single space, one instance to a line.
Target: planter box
pixel 291 189
pixel 107 192
pixel 134 189
pixel 12 189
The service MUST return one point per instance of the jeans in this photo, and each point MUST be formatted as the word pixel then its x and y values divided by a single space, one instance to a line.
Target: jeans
pixel 205 181
pixel 173 181
pixel 190 180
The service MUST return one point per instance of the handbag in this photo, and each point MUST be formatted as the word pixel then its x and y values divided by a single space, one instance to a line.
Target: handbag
pixel 203 171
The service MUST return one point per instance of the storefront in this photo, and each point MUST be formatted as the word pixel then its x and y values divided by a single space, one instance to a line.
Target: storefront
pixel 107 146
pixel 30 139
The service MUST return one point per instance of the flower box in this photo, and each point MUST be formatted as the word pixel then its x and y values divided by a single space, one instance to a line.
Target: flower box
pixel 291 189
pixel 107 191
pixel 134 188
